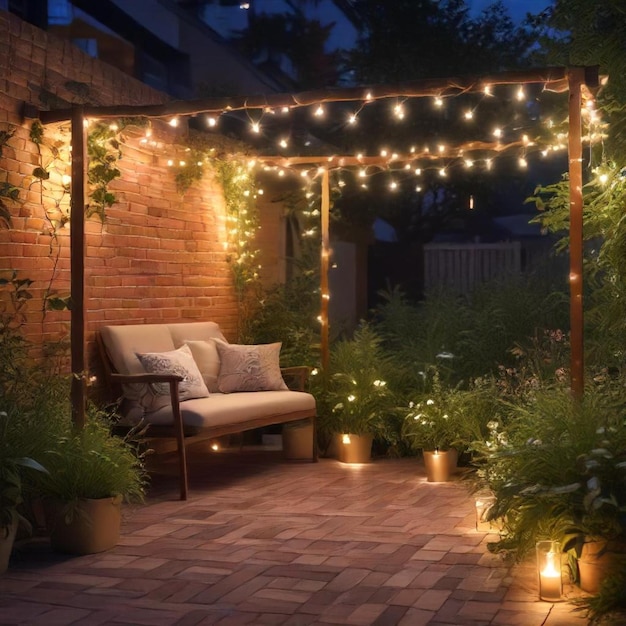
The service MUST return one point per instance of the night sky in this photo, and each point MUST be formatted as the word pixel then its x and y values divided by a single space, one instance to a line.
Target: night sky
pixel 517 8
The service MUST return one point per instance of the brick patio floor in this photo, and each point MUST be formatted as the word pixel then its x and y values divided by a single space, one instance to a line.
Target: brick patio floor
pixel 264 541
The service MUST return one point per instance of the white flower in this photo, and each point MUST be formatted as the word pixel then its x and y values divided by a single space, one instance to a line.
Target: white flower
pixel 351 398
pixel 430 402
pixel 379 383
pixel 601 452
pixel 338 406
pixel 411 404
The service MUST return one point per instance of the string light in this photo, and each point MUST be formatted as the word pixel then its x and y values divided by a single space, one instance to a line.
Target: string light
pixel 319 112
pixel 255 127
pixel 173 122
pixel 211 121
pixel 438 101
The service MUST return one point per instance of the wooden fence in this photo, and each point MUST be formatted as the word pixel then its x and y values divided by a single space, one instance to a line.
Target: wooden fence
pixel 461 267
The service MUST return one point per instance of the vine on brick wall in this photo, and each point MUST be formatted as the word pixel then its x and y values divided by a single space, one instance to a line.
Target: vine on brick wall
pixel 242 219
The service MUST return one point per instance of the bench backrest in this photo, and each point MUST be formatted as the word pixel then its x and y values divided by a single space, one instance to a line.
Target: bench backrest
pixel 121 344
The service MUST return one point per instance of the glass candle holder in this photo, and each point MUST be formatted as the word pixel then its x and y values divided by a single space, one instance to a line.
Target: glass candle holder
pixel 549 570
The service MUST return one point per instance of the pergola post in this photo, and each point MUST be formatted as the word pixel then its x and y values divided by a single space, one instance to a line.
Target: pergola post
pixel 77 261
pixel 325 254
pixel 576 78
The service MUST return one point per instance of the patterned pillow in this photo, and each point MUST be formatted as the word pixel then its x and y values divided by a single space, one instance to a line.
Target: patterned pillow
pixel 175 362
pixel 208 361
pixel 249 368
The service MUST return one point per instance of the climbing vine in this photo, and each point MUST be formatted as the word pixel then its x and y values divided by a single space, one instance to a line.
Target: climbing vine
pixel 242 218
pixel 103 150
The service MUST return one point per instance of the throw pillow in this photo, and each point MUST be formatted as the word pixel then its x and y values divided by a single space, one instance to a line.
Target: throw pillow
pixel 174 362
pixel 249 368
pixel 208 361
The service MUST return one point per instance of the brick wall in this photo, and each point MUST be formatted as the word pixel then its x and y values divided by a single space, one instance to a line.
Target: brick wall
pixel 159 256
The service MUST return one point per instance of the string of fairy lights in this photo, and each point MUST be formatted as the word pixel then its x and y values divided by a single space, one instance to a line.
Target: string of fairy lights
pixel 535 136
pixel 525 136
pixel 406 161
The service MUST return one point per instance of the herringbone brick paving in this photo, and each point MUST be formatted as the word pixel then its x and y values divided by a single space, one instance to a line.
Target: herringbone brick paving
pixel 263 541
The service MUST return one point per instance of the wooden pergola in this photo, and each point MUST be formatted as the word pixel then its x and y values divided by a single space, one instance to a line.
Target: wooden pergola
pixel 576 81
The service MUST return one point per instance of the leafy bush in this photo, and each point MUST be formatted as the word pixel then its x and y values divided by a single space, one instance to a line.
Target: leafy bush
pixel 558 467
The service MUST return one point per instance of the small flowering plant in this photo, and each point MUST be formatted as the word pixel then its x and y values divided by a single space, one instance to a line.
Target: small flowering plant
pixel 360 398
pixel 434 421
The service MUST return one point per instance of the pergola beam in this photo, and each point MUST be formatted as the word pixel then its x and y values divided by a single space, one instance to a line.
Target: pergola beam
pixel 553 79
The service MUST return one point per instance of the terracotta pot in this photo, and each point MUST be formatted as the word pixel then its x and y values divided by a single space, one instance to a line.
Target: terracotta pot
pixel 86 527
pixel 355 448
pixel 7 539
pixel 597 559
pixel 440 465
pixel 298 440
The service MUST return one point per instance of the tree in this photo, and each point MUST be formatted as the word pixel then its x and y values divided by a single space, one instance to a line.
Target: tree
pixel 409 39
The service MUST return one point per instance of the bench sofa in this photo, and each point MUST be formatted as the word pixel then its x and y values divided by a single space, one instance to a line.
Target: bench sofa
pixel 154 366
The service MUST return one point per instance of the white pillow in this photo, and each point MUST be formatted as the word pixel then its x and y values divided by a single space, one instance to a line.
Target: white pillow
pixel 174 362
pixel 208 361
pixel 249 368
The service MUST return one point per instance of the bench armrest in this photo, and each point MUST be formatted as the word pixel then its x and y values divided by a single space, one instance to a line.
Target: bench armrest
pixel 297 375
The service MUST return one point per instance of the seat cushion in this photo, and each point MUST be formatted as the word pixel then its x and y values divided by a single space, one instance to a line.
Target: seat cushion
pixel 235 408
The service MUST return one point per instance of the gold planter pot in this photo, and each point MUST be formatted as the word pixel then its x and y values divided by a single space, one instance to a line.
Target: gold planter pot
pixel 355 448
pixel 440 465
pixel 85 527
pixel 597 560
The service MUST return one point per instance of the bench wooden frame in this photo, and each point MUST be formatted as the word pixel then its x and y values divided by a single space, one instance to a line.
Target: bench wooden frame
pixel 297 376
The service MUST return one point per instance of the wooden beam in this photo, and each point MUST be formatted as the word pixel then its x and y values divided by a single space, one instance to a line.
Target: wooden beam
pixel 576 79
pixel 77 263
pixel 552 79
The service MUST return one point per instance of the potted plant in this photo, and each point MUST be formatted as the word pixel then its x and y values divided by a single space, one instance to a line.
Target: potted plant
pixel 433 424
pixel 90 473
pixel 358 394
